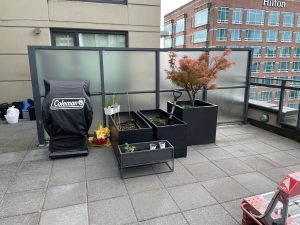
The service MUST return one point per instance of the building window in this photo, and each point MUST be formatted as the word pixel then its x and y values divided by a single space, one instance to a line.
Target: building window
pixel 266 96
pixel 297 39
pixel 168 43
pixel 267 81
pixel 288 19
pixel 293 105
pixel 89 38
pixel 236 34
pixel 271 51
pixel 297 52
pixel 256 51
pixel 298 21
pixel 179 41
pixel 220 46
pixel 286 36
pixel 201 18
pixel 221 34
pixel 269 67
pixel 296 81
pixel 223 15
pixel 255 68
pixel 169 28
pixel 254 35
pixel 272 36
pixel 252 95
pixel 237 16
pixel 277 96
pixel 200 36
pixel 285 52
pixel 279 80
pixel 283 67
pixel 294 95
pixel 180 25
pixel 254 80
pixel 255 17
pixel 296 67
pixel 274 18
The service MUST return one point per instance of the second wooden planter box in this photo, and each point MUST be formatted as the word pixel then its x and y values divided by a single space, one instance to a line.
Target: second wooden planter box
pixel 175 131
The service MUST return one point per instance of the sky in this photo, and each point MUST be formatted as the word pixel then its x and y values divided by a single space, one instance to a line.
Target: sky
pixel 168 6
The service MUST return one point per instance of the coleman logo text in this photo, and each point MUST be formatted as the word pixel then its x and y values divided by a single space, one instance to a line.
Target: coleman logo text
pixel 67 103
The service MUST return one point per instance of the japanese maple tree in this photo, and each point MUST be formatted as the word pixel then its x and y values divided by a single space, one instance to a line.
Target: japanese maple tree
pixel 194 74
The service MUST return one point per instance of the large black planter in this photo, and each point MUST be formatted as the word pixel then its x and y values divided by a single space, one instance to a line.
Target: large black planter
pixel 118 137
pixel 201 121
pixel 174 131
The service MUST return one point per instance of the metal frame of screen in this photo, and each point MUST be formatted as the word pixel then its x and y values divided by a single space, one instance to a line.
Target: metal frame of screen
pixel 37 95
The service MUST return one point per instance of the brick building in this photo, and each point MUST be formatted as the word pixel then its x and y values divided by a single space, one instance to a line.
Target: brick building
pixel 270 27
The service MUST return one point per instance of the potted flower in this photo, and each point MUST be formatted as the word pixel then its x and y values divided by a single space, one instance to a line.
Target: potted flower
pixel 192 75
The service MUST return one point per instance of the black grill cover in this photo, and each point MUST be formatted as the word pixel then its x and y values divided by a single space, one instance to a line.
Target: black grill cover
pixel 67 114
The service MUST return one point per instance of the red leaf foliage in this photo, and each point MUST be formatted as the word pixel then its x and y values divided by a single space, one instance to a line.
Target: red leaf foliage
pixel 194 74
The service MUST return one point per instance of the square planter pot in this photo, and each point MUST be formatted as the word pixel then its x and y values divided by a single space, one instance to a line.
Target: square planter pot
pixel 118 137
pixel 142 155
pixel 201 121
pixel 174 131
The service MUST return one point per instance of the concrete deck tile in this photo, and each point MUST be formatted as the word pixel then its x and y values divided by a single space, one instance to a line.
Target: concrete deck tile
pixel 38 154
pixel 282 158
pixel 65 195
pixel 295 168
pixel 205 171
pixel 42 166
pixel 28 219
pixel 115 211
pixel 256 183
pixel 19 203
pixel 175 219
pixel 260 147
pixel 141 184
pixel 233 166
pixel 71 215
pixel 277 174
pixel 215 153
pixel 234 209
pixel 191 196
pixel 180 176
pixel 67 176
pixel 103 170
pixel 12 157
pixel 151 204
pixel 106 188
pixel 225 189
pixel 239 150
pixel 259 162
pixel 210 215
pixel 192 158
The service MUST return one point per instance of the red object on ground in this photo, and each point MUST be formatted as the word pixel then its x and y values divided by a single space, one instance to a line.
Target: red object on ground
pixel 281 207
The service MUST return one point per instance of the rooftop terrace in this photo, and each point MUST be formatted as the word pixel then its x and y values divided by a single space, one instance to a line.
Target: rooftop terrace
pixel 207 187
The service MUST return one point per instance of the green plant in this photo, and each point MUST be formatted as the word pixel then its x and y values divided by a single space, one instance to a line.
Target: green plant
pixel 111 101
pixel 158 121
pixel 194 74
pixel 129 148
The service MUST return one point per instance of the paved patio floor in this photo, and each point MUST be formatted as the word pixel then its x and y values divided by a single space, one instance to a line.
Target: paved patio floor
pixel 205 188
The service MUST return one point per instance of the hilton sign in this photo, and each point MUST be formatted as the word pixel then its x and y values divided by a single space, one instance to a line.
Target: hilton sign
pixel 274 3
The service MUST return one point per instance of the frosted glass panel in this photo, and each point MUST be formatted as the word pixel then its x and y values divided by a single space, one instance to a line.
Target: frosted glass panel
pixel 237 73
pixel 136 101
pixel 168 96
pixel 164 65
pixel 68 65
pixel 129 71
pixel 98 113
pixel 230 102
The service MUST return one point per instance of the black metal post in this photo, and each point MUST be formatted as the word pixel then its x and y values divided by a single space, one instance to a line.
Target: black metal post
pixel 298 119
pixel 204 94
pixel 281 101
pixel 157 79
pixel 102 83
pixel 36 95
pixel 247 90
